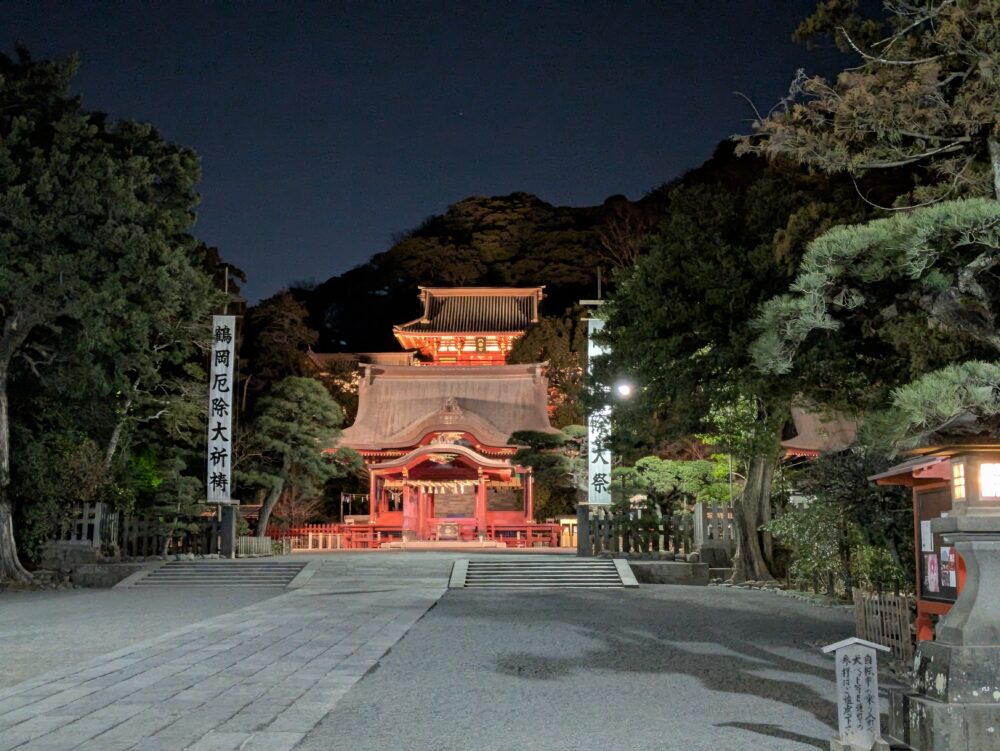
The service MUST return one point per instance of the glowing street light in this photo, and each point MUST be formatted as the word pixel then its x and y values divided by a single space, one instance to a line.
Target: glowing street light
pixel 624 389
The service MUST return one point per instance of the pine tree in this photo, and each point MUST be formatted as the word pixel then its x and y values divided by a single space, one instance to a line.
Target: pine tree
pixel 295 422
pixel 924 94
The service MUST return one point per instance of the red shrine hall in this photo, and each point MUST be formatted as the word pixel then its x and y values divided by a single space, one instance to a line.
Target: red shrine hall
pixel 435 434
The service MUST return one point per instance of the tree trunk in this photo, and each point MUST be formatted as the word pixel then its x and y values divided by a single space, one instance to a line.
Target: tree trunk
pixel 10 564
pixel 749 563
pixel 994 146
pixel 268 507
pixel 116 435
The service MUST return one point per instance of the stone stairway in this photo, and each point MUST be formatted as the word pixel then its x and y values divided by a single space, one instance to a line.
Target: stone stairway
pixel 222 573
pixel 542 573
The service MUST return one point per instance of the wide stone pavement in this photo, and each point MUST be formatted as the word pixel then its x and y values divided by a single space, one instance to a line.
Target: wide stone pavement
pixel 666 667
pixel 257 678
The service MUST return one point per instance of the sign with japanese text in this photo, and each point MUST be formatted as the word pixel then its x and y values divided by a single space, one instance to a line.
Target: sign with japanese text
pixel 221 397
pixel 598 429
pixel 857 692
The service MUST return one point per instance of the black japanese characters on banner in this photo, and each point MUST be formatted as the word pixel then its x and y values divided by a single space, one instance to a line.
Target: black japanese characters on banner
pixel 598 431
pixel 220 409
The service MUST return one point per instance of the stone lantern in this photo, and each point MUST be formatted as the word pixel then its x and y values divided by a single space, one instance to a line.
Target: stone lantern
pixel 957 676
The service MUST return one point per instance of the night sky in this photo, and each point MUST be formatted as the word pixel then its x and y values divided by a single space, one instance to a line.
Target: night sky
pixel 326 127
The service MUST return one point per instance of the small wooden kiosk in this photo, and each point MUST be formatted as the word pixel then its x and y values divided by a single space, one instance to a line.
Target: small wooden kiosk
pixel 954 702
pixel 936 476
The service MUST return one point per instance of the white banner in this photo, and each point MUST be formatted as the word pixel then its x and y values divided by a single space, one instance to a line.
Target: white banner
pixel 221 398
pixel 598 428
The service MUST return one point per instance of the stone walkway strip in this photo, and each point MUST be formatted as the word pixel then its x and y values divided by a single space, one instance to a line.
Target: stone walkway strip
pixel 257 678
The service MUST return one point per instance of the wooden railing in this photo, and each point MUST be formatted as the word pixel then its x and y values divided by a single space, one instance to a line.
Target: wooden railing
pixel 145 537
pixel 247 545
pixel 525 535
pixel 369 536
pixel 884 618
pixel 606 529
pixel 94 525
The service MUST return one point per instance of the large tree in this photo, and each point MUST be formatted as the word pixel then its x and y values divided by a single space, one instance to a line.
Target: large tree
pixel 923 94
pixel 94 221
pixel 275 342
pixel 559 467
pixel 914 294
pixel 918 287
pixel 679 323
pixel 296 420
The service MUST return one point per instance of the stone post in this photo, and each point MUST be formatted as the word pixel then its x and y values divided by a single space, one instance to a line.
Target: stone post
pixel 227 541
pixel 699 518
pixel 583 530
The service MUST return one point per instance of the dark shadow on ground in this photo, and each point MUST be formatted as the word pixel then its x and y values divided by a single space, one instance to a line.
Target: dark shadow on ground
pixel 744 628
pixel 774 731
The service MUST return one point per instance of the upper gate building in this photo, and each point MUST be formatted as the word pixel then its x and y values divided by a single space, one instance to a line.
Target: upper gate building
pixel 435 434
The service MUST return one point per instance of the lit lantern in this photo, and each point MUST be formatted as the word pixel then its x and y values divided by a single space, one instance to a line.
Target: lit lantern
pixel 975 483
pixel 989 481
pixel 958 481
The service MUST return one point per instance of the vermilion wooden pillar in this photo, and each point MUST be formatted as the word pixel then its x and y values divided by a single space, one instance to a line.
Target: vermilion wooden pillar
pixel 528 480
pixel 481 505
pixel 372 496
pixel 423 521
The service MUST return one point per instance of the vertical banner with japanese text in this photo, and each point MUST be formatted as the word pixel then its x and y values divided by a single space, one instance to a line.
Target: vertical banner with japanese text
pixel 220 409
pixel 598 429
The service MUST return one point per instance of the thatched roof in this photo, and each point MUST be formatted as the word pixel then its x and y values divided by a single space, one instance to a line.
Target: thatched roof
pixel 397 406
pixel 818 433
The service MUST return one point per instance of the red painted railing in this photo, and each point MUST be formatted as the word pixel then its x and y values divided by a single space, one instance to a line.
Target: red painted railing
pixel 368 536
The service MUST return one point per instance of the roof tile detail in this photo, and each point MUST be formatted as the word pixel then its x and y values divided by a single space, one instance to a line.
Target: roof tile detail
pixel 487 309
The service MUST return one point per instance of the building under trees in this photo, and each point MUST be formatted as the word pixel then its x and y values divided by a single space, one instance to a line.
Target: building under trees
pixel 434 427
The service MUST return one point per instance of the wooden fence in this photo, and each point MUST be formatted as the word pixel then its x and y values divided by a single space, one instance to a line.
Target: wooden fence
pixel 247 545
pixel 602 529
pixel 884 619
pixel 144 537
pixel 95 525
pixel 607 529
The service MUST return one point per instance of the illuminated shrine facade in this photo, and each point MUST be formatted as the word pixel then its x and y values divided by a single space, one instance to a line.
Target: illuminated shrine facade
pixel 436 440
pixel 469 325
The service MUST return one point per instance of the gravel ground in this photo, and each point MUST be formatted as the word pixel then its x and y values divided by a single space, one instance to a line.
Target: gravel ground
pixel 662 667
pixel 40 631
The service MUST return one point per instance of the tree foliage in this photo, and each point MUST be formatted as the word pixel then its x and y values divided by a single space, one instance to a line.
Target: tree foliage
pixel 99 276
pixel 559 467
pixel 848 525
pixel 675 484
pixel 923 94
pixel 561 343
pixel 275 342
pixel 295 421
pixel 919 289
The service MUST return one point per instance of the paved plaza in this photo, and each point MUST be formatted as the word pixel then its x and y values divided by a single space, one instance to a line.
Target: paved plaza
pixel 373 652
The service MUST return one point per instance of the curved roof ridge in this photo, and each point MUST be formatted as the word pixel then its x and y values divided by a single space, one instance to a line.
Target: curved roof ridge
pixel 445 448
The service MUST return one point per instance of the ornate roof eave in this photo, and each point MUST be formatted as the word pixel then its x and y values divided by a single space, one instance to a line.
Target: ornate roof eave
pixel 444 448
pixel 401 331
